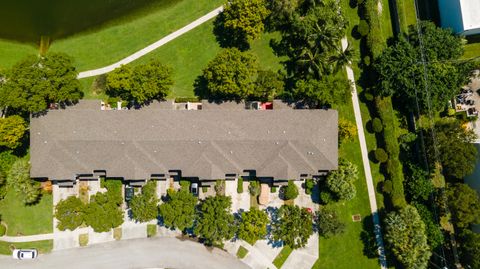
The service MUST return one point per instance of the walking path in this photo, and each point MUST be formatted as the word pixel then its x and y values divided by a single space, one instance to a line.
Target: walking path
pixel 27 238
pixel 150 48
pixel 366 164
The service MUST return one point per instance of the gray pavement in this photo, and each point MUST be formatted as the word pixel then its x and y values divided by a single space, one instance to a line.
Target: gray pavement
pixel 135 253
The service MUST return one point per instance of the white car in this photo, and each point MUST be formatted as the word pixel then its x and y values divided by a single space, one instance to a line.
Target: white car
pixel 194 189
pixel 24 254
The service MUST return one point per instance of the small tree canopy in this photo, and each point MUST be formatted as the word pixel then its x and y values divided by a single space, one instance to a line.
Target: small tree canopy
pixel 340 182
pixel 293 227
pixel 470 249
pixel 290 191
pixel 144 205
pixel 327 91
pixel 405 233
pixel 18 178
pixel 103 212
pixel 253 226
pixel 215 222
pixel 328 223
pixel 464 203
pixel 12 130
pixel 179 209
pixel 70 213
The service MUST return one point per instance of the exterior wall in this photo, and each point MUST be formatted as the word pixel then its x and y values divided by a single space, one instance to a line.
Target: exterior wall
pixel 451 15
pixel 471 32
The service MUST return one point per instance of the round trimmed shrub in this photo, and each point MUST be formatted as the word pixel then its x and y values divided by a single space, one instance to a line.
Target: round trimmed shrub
pixel 290 191
pixel 380 155
pixel 451 112
pixel 363 28
pixel 377 125
pixel 368 96
pixel 366 61
pixel 387 186
pixel 3 229
pixel 326 197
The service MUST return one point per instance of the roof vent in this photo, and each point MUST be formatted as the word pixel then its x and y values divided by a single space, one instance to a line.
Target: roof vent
pixel 45 141
pixel 277 142
pixel 78 152
pixel 123 143
pixel 199 142
pixel 231 151
pixel 38 133
pixel 284 131
pixel 155 151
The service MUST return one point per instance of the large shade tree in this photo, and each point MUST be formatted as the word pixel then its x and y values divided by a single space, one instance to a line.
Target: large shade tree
pixel 241 22
pixel 142 83
pixel 451 138
pixel 311 42
pixel 464 203
pixel 405 234
pixel 103 212
pixel 35 82
pixel 230 75
pixel 215 222
pixel 426 70
pixel 178 211
pixel 293 227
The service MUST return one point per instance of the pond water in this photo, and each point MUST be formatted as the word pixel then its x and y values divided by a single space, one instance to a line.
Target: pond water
pixel 473 181
pixel 27 20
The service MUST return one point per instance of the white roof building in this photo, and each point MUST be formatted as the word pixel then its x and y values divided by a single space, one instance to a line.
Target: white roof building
pixel 462 16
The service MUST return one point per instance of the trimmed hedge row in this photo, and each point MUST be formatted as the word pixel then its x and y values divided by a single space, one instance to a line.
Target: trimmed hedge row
pixel 393 166
pixel 375 40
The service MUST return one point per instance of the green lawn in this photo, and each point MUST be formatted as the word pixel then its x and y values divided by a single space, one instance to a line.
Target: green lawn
pixel 26 220
pixel 43 246
pixel 190 54
pixel 282 256
pixel 471 50
pixel 103 47
pixel 119 38
pixel 12 52
pixel 406 13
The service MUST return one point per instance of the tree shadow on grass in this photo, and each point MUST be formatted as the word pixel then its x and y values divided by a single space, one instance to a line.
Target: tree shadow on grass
pixel 228 37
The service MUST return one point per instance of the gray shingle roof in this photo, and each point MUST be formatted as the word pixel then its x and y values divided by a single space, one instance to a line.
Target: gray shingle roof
pixel 208 144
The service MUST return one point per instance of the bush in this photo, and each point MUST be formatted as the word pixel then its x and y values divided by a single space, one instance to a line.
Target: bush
pixel 273 189
pixel 3 229
pixel 377 125
pixel 309 184
pixel 70 213
pixel 242 252
pixel 363 28
pixel 151 230
pixel 290 191
pixel 387 186
pixel 117 233
pixel 346 130
pixel 83 239
pixel 326 197
pixel 204 189
pixel 185 185
pixel 254 188
pixel 240 185
pixel 368 96
pixel 220 187
pixel 187 99
pixel 451 112
pixel 367 62
pixel 380 155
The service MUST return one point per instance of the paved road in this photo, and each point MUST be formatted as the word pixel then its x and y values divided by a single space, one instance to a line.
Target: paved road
pixel 150 48
pixel 137 253
pixel 366 164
